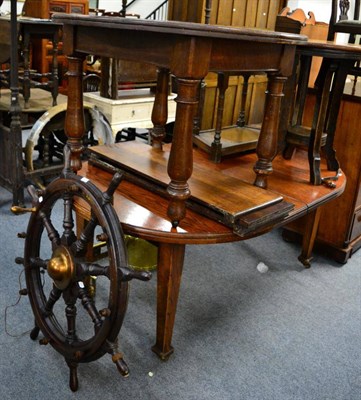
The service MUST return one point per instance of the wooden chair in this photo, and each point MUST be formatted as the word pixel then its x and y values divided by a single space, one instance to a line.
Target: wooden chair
pixel 91 83
pixel 329 87
pixel 27 76
pixel 339 21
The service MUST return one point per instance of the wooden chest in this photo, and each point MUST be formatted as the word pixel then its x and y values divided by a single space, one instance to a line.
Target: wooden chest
pixel 45 8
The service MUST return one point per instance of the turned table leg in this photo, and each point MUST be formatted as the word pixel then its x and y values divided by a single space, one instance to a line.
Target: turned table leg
pixel 339 80
pixel 318 123
pixel 180 164
pixel 74 118
pixel 267 143
pixel 26 79
pixel 160 108
pixel 170 266
pixel 242 118
pixel 216 150
pixel 54 68
pixel 309 236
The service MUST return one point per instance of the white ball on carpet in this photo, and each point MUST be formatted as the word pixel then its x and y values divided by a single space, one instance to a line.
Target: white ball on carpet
pixel 262 268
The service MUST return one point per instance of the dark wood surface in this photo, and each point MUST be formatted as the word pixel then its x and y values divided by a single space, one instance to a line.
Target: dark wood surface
pixel 12 174
pixel 240 137
pixel 4 40
pixel 331 49
pixel 42 48
pixel 338 62
pixel 339 232
pixel 30 29
pixel 223 197
pixel 288 181
pixel 250 13
pixel 143 213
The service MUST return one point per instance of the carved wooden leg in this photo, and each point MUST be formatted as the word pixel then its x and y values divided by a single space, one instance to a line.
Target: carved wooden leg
pixel 16 171
pixel 309 237
pixel 160 108
pixel 292 111
pixel 54 69
pixel 241 121
pixel 207 11
pixel 335 104
pixel 105 85
pixel 318 124
pixel 170 266
pixel 114 71
pixel 74 119
pixel 180 163
pixel 16 174
pixel 216 149
pixel 198 118
pixel 267 143
pixel 288 151
pixel 304 77
pixel 26 78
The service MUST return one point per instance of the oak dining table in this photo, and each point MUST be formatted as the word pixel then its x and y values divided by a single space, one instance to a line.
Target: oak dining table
pixel 171 195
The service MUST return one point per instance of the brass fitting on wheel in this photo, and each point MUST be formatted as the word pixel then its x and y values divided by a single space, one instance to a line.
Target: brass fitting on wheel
pixel 61 267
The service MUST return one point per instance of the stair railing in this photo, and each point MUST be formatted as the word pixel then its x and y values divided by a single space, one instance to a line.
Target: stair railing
pixel 160 13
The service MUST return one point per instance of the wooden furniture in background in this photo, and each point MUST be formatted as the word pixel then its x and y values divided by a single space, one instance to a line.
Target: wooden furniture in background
pixel 341 22
pixel 238 13
pixel 19 111
pixel 42 49
pixel 186 10
pixel 33 29
pixel 45 8
pixel 237 136
pixel 248 13
pixel 249 109
pixel 338 62
pixel 30 29
pixel 296 21
pixel 339 232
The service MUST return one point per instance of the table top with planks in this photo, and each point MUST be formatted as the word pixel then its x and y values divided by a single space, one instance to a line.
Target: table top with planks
pixel 141 204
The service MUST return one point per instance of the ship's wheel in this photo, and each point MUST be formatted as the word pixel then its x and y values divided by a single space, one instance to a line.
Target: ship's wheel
pixel 80 325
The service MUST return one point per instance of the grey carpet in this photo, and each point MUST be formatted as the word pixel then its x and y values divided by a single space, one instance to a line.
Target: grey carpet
pixel 286 334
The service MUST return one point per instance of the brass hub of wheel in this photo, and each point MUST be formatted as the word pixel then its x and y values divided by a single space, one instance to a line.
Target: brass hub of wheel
pixel 61 267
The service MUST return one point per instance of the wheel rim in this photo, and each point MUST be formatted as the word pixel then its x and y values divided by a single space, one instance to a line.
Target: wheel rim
pixel 47 135
pixel 56 268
